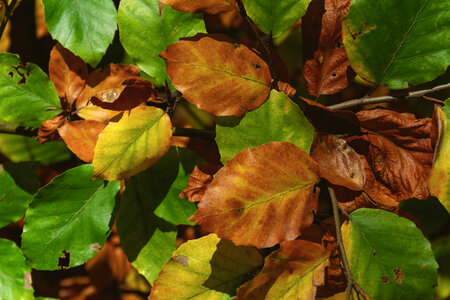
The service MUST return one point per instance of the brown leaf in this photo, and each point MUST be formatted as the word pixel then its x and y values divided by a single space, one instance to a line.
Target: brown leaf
pixel 81 137
pixel 217 75
pixel 294 271
pixel 262 196
pixel 200 177
pixel 328 71
pixel 48 130
pixel 103 79
pixel 338 163
pixel 68 72
pixel 203 6
pixel 131 93
pixel 287 89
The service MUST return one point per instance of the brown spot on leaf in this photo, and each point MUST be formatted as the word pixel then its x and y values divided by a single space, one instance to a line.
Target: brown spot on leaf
pixel 384 279
pixel 28 281
pixel 257 66
pixel 11 74
pixel 64 261
pixel 182 260
pixel 96 247
pixel 398 275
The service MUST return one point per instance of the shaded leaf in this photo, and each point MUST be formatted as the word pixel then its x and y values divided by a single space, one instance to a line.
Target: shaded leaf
pixel 68 72
pixel 134 143
pixel 216 75
pixel 21 149
pixel 205 268
pixel 13 271
pixel 26 93
pixel 396 42
pixel 84 27
pixel 81 137
pixel 25 175
pixel 338 163
pixel 440 174
pixel 293 272
pixel 147 239
pixel 272 197
pixel 48 131
pixel 74 212
pixel 328 71
pixel 13 200
pixel 389 256
pixel 275 16
pixel 277 120
pixel 200 177
pixel 133 92
pixel 208 6
pixel 165 26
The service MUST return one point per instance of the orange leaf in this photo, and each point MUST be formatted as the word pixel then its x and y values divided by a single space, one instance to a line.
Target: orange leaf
pixel 219 76
pixel 328 71
pixel 262 196
pixel 68 72
pixel 81 137
pixel 204 6
pixel 130 94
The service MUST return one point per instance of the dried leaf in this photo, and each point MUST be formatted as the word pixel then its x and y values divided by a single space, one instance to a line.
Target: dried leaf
pixel 328 71
pixel 294 271
pixel 131 93
pixel 219 76
pixel 205 6
pixel 68 72
pixel 262 196
pixel 338 163
pixel 287 89
pixel 48 130
pixel 81 137
pixel 200 177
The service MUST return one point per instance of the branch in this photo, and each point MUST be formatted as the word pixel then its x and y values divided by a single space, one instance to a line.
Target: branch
pixel 19 130
pixel 267 54
pixel 203 134
pixel 374 100
pixel 8 12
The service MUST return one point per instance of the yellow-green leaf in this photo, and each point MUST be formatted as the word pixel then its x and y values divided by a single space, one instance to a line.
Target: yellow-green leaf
pixel 134 143
pixel 207 268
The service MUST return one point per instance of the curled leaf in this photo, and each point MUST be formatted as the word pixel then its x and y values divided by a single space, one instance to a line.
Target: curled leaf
pixel 200 177
pixel 48 130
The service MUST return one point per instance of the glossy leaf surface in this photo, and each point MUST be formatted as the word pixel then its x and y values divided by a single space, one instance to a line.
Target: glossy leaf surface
pixel 26 92
pixel 277 120
pixel 217 75
pixel 85 27
pixel 398 42
pixel 389 256
pixel 440 174
pixel 12 273
pixel 205 268
pixel 74 212
pixel 13 200
pixel 275 16
pixel 165 27
pixel 134 143
pixel 261 197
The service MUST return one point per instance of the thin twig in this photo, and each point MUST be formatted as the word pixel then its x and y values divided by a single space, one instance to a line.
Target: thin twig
pixel 337 223
pixel 8 12
pixel 360 291
pixel 374 100
pixel 267 54
pixel 19 130
pixel 203 134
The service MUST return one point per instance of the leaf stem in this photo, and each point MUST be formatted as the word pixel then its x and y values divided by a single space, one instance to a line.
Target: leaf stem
pixel 19 130
pixel 374 100
pixel 267 54
pixel 8 12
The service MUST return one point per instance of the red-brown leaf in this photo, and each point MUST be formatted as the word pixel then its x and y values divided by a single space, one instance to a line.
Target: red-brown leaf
pixel 262 196
pixel 48 130
pixel 200 177
pixel 328 71
pixel 203 6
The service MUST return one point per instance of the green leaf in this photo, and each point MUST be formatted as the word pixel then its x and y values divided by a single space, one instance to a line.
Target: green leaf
pixel 206 268
pixel 20 148
pixel 13 271
pixel 388 255
pixel 179 161
pixel 440 174
pixel 26 92
pixel 147 239
pixel 71 213
pixel 147 31
pixel 85 27
pixel 278 120
pixel 25 174
pixel 13 200
pixel 396 42
pixel 275 16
